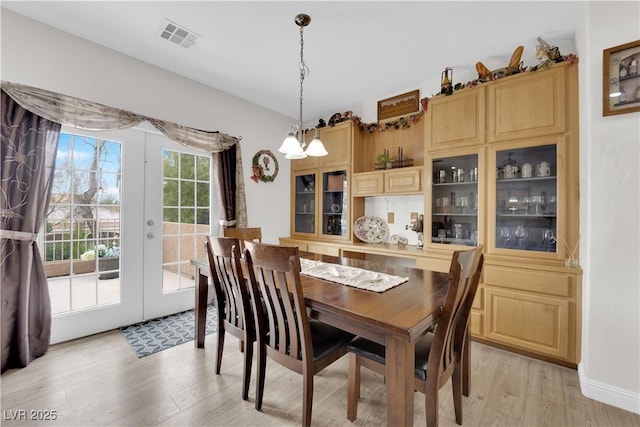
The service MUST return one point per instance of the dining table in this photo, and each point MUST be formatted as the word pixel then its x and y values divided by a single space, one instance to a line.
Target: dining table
pixel 395 318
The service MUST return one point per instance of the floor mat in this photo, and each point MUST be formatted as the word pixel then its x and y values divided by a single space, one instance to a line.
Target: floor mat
pixel 162 333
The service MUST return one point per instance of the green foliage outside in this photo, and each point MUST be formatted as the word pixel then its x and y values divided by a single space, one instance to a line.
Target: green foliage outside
pixel 185 185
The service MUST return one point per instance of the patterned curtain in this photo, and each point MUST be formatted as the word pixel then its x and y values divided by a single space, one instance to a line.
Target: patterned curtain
pixel 27 159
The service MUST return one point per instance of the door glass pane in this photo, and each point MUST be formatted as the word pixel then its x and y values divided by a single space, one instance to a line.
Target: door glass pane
pixel 526 199
pixel 81 235
pixel 304 204
pixel 455 200
pixel 334 203
pixel 186 184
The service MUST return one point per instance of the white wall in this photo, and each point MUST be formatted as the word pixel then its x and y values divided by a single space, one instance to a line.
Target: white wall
pixel 37 55
pixel 610 218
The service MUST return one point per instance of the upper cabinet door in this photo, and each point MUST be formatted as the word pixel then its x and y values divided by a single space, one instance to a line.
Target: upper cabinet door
pixel 527 106
pixel 457 120
pixel 338 141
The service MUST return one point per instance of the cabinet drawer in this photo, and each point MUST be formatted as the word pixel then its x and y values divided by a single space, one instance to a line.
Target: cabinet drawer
pixel 433 264
pixel 402 181
pixel 318 248
pixel 366 184
pixel 532 322
pixel 527 280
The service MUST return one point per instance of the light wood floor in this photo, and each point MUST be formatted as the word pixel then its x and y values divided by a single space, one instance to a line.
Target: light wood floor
pixel 99 381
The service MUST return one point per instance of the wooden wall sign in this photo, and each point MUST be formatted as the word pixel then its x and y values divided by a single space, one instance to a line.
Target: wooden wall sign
pixel 398 105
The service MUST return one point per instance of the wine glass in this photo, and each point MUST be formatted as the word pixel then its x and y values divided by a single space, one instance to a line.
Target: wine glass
pixel 521 234
pixel 442 233
pixel 505 235
pixel 548 238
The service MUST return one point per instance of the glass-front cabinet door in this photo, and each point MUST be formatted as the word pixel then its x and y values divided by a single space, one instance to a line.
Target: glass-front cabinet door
pixel 335 204
pixel 304 205
pixel 526 199
pixel 455 196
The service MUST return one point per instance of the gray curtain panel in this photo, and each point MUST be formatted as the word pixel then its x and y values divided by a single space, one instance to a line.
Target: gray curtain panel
pixel 27 160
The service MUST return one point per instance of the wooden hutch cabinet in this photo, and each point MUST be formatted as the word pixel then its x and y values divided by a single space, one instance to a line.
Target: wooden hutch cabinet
pixel 498 167
pixel 521 204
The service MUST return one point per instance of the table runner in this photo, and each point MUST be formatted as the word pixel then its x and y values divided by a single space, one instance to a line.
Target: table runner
pixel 351 276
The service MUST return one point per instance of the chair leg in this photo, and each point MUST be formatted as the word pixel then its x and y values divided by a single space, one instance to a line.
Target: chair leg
pixel 262 364
pixel 466 360
pixel 246 373
pixel 431 405
pixel 353 392
pixel 307 399
pixel 220 348
pixel 457 386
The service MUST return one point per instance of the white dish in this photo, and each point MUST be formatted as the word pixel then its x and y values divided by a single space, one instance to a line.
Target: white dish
pixel 370 229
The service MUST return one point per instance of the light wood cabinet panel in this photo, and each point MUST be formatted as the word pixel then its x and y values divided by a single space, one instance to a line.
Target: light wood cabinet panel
pixel 529 280
pixel 527 106
pixel 368 183
pixel 308 162
pixel 532 322
pixel 338 142
pixel 303 164
pixel 391 181
pixel 319 248
pixel 404 180
pixel 457 120
pixel 476 323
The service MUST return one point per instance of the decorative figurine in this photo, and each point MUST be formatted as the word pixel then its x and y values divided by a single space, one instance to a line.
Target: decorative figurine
pixel 446 86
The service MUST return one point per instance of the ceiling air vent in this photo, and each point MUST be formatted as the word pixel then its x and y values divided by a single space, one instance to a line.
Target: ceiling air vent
pixel 178 34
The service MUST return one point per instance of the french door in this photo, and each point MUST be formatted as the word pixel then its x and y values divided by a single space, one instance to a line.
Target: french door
pixel 129 209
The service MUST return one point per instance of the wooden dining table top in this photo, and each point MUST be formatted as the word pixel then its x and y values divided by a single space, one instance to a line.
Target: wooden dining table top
pixel 406 310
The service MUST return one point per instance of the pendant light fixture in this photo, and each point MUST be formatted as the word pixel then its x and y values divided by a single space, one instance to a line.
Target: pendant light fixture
pixel 293 145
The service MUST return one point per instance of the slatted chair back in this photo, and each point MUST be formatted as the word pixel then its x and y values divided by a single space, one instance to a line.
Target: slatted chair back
pixel 232 300
pixel 284 332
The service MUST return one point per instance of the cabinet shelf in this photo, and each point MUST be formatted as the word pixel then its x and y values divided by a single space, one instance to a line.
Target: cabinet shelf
pixel 455 184
pixel 473 215
pixel 522 215
pixel 453 241
pixel 532 179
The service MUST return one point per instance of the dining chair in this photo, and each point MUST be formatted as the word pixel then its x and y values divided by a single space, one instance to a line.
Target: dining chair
pixel 232 302
pixel 284 332
pixel 242 234
pixel 439 354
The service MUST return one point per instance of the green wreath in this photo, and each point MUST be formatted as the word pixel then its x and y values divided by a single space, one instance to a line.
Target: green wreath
pixel 259 171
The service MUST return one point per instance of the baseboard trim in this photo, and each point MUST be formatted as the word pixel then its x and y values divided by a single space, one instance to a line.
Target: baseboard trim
pixel 608 394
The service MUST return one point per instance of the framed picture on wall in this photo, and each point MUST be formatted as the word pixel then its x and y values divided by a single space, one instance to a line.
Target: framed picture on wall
pixel 621 79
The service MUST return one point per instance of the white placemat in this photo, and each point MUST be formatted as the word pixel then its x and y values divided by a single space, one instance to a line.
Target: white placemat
pixel 351 276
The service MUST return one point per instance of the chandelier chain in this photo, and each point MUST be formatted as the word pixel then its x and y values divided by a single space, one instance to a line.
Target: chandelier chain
pixel 304 70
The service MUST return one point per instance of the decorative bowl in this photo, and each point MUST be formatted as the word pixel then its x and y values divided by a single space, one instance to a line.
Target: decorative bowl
pixel 370 229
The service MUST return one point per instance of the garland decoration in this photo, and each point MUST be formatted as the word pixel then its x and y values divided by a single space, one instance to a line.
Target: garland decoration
pixel 401 123
pixel 259 171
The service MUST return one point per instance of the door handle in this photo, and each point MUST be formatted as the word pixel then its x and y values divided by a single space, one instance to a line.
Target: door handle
pixel 150 235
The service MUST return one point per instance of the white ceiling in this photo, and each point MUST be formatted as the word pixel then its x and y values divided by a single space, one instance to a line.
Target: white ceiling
pixel 356 51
